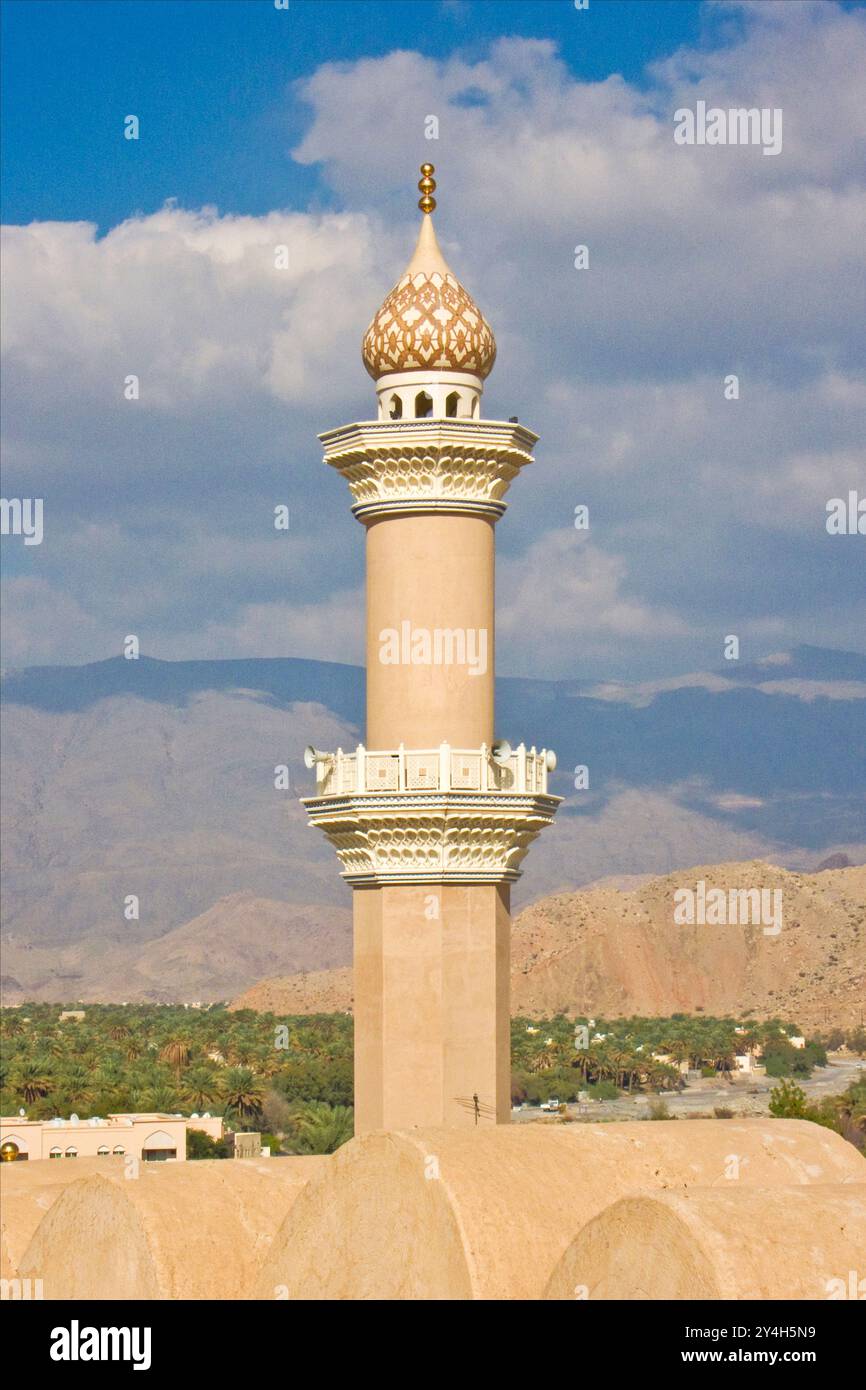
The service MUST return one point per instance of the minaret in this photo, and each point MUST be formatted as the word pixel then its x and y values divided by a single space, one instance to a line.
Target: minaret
pixel 431 816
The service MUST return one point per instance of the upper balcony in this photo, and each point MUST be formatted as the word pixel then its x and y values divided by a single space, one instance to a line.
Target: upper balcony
pixel 523 771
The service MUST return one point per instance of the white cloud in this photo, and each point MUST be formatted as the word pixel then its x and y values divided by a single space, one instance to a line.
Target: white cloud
pixel 565 599
pixel 328 630
pixel 43 626
pixel 642 693
pixel 809 690
pixel 705 513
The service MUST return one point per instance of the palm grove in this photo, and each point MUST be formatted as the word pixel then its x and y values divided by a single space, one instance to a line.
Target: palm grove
pixel 291 1078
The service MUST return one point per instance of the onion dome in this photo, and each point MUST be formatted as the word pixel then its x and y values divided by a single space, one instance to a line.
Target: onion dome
pixel 428 322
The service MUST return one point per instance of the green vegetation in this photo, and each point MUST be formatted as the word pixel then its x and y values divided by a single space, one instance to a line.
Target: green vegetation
pixel 846 1114
pixel 629 1054
pixel 291 1078
pixel 781 1059
pixel 317 1128
pixel 200 1145
pixel 288 1077
pixel 788 1101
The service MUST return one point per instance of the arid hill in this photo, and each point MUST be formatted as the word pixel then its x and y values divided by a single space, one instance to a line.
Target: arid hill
pixel 241 938
pixel 611 953
pixel 608 953
pixel 318 992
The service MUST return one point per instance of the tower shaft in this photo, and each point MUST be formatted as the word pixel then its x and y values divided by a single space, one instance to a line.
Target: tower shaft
pixel 432 1026
pixel 430 630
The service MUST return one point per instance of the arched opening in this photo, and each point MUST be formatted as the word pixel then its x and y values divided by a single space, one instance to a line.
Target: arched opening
pixel 158 1147
pixel 56 1153
pixel 119 1150
pixel 396 408
pixel 423 406
pixel 475 407
pixel 103 1151
pixel 71 1152
pixel 451 402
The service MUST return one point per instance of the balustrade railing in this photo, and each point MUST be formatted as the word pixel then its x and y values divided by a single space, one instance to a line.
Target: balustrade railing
pixel 443 769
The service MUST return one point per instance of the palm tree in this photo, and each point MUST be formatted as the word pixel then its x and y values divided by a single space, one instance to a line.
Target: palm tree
pixel 176 1053
pixel 662 1077
pixel 605 1066
pixel 109 1074
pixel 318 1128
pixel 32 1080
pixel 201 1087
pixel 243 1093
pixel 587 1061
pixel 621 1061
pixel 162 1100
pixel 679 1048
pixel 543 1061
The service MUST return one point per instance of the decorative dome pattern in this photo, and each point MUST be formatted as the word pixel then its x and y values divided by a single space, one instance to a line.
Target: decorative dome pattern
pixel 428 322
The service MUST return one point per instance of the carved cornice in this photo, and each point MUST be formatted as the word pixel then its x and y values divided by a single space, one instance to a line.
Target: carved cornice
pixel 428 465
pixel 417 837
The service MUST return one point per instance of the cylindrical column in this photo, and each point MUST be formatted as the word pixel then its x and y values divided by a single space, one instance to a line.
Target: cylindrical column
pixel 430 630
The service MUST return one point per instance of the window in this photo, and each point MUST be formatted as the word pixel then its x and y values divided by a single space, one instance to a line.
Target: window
pixel 119 1149
pixel 158 1147
pixel 103 1151
pixel 56 1153
pixel 396 411
pixel 451 405
pixel 423 406
pixel 71 1152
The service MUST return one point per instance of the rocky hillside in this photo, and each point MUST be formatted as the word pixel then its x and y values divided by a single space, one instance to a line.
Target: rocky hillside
pixel 241 938
pixel 611 953
pixel 608 953
pixel 318 992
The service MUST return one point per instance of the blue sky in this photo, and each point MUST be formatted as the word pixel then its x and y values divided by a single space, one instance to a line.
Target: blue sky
pixel 211 79
pixel 304 128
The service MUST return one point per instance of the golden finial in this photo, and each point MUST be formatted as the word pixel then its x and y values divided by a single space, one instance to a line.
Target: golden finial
pixel 427 186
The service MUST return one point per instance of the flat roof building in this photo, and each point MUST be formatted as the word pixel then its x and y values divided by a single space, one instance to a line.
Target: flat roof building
pixel 151 1137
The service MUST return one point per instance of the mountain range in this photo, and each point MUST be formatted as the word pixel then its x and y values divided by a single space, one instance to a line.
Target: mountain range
pixel 141 814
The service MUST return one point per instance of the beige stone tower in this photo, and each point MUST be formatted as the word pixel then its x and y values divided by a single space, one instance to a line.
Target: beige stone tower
pixel 431 816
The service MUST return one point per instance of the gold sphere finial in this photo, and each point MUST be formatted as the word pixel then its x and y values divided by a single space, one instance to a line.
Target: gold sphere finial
pixel 427 187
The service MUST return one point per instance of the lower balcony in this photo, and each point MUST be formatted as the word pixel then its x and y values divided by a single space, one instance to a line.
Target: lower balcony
pixel 440 815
